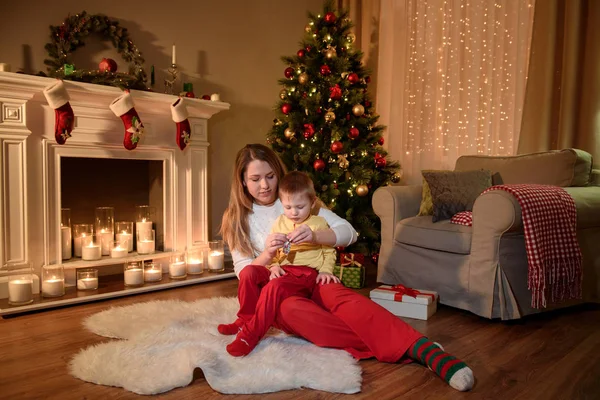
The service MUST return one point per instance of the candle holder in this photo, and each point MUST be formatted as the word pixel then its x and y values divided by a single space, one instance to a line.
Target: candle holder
pixel 124 230
pixel 79 232
pixel 177 268
pixel 216 256
pixel 144 217
pixel 87 279
pixel 133 273
pixel 53 280
pixel 105 227
pixel 194 259
pixel 90 249
pixel 20 283
pixel 65 233
pixel 146 243
pixel 170 81
pixel 152 272
pixel 119 248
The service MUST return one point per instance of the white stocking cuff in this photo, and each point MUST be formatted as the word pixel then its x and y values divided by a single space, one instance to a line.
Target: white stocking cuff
pixel 122 104
pixel 178 110
pixel 56 95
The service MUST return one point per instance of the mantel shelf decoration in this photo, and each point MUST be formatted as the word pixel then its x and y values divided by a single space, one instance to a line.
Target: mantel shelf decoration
pixel 69 36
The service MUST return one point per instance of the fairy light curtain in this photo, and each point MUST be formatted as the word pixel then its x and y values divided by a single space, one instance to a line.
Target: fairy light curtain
pixel 452 78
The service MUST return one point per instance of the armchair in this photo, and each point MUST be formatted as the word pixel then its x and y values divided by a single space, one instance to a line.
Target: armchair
pixel 483 268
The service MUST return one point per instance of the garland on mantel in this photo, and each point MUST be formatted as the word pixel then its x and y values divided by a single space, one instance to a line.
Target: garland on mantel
pixel 68 37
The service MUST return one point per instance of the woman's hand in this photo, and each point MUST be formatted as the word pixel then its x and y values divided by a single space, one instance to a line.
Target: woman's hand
pixel 302 234
pixel 274 241
pixel 276 272
pixel 325 278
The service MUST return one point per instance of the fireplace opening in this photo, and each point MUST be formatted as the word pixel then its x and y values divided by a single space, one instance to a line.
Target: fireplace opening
pixel 88 183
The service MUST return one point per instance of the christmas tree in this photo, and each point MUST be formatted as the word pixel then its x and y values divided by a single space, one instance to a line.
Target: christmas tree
pixel 326 124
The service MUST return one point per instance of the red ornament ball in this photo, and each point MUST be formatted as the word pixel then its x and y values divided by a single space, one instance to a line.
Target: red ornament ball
pixel 289 72
pixel 353 77
pixel 325 70
pixel 337 147
pixel 286 108
pixel 107 65
pixel 308 48
pixel 319 165
pixel 354 132
pixel 301 53
pixel 190 94
pixel 206 97
pixel 377 155
pixel 330 17
pixel 367 103
pixel 380 162
pixel 381 141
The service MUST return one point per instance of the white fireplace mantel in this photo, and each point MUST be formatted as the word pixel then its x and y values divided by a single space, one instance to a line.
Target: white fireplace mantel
pixel 30 162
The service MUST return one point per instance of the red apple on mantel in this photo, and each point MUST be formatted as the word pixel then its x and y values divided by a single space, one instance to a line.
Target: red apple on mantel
pixel 107 65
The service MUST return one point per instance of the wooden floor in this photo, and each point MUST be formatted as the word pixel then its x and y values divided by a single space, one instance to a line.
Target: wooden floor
pixel 552 356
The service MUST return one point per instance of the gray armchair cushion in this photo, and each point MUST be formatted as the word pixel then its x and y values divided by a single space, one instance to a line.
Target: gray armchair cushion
pixel 442 236
pixel 455 191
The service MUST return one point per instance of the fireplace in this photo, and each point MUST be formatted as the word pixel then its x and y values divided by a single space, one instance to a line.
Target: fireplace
pixel 93 169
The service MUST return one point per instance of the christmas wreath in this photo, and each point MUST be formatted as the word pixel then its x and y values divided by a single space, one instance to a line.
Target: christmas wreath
pixel 68 37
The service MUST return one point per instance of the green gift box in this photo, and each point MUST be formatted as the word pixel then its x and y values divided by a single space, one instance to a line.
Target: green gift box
pixel 352 277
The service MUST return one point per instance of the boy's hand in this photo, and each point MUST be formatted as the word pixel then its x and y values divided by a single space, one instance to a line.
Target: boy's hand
pixel 325 278
pixel 274 241
pixel 276 272
pixel 302 234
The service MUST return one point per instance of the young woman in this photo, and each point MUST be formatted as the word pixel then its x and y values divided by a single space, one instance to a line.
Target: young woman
pixel 334 316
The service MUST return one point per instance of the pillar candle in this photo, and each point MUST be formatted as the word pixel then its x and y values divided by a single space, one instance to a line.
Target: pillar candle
pixel 134 277
pixel 126 236
pixel 91 252
pixel 177 269
pixel 173 58
pixel 216 261
pixel 65 241
pixel 106 241
pixel 145 246
pixel 153 275
pixel 20 291
pixel 87 283
pixel 53 287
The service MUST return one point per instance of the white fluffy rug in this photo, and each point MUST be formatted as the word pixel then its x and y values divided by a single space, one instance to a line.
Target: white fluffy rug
pixel 166 340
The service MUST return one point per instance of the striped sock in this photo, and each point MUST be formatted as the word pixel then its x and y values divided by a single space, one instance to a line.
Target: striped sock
pixel 454 371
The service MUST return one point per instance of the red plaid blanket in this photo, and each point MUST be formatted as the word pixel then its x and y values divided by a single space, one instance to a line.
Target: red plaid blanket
pixel 553 254
pixel 463 218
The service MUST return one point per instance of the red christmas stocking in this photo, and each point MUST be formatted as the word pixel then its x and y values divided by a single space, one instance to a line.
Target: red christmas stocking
pixel 58 98
pixel 180 117
pixel 123 107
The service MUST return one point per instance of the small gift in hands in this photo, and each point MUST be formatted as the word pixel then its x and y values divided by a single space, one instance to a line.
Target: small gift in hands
pixel 406 302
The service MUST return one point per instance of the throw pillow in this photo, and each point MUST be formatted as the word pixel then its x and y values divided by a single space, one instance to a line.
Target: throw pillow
pixel 426 207
pixel 455 191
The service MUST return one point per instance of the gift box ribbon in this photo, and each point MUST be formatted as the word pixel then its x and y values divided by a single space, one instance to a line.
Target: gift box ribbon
pixel 402 290
pixel 349 261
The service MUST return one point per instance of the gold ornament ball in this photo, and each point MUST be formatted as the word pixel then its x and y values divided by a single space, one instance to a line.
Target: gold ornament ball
pixel 329 116
pixel 396 178
pixel 344 164
pixel 358 110
pixel 330 52
pixel 288 133
pixel 283 94
pixel 362 190
pixel 307 29
pixel 351 38
pixel 303 78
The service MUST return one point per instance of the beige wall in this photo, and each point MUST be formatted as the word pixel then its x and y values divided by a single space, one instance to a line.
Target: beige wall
pixel 227 46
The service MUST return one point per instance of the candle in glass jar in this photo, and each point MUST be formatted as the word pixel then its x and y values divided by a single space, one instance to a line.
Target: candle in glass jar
pixel 65 241
pixel 77 243
pixel 106 241
pixel 20 291
pixel 194 266
pixel 134 277
pixel 145 246
pixel 216 261
pixel 118 252
pixel 87 283
pixel 177 269
pixel 53 287
pixel 121 237
pixel 143 229
pixel 153 275
pixel 91 252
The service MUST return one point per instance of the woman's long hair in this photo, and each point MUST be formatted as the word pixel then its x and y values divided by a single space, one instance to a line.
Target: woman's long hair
pixel 234 226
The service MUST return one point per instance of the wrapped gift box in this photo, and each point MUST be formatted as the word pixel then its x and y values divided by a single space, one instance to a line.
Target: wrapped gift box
pixel 352 277
pixel 399 301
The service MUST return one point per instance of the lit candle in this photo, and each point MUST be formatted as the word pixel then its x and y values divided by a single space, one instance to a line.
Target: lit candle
pixel 145 246
pixel 106 241
pixel 177 269
pixel 194 266
pixel 91 252
pixel 134 277
pixel 87 283
pixel 78 242
pixel 173 58
pixel 216 261
pixel 118 252
pixel 53 287
pixel 215 97
pixel 143 229
pixel 65 234
pixel 20 291
pixel 153 275
pixel 121 237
